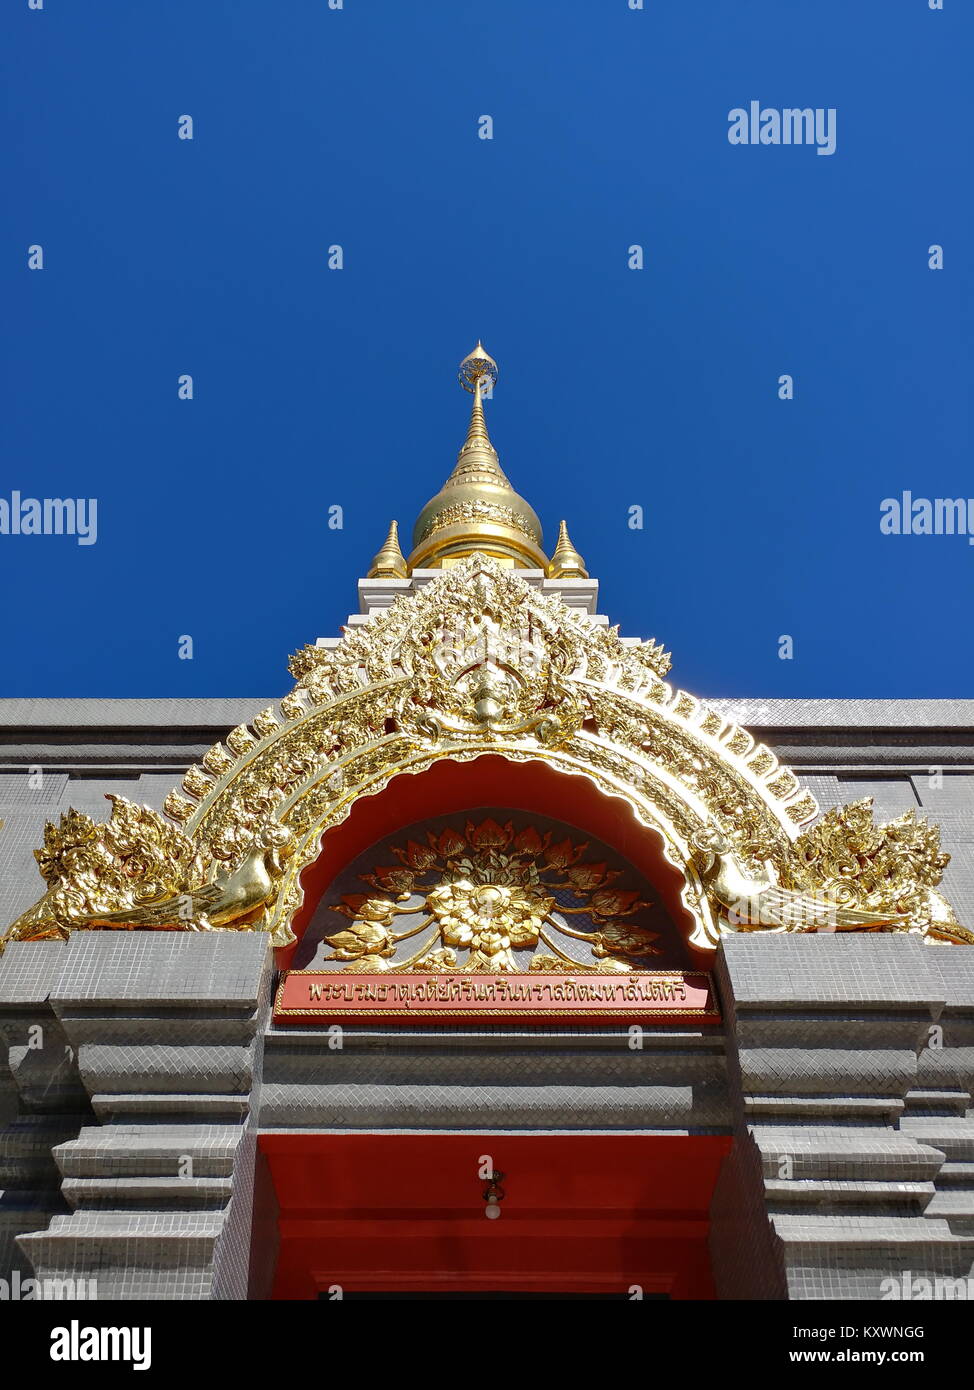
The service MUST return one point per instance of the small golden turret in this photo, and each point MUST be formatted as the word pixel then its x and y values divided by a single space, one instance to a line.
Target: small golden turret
pixel 390 562
pixel 566 563
pixel 476 508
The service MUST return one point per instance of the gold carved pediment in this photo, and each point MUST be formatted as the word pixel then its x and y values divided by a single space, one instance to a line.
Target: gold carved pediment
pixel 478 661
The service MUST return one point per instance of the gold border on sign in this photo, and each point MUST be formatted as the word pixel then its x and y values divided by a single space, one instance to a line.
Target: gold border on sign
pixel 401 1013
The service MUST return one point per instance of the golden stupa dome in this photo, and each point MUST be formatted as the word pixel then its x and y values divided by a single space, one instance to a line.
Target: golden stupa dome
pixel 476 508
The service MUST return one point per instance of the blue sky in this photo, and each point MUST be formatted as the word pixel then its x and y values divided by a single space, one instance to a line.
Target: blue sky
pixel 315 388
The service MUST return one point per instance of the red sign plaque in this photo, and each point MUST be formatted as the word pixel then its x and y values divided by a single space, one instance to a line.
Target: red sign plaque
pixel 658 996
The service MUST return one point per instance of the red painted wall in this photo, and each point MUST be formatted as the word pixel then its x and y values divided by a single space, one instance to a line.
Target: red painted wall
pixel 582 1213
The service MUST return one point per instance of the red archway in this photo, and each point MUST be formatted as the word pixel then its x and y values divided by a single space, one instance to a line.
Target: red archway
pixel 490 780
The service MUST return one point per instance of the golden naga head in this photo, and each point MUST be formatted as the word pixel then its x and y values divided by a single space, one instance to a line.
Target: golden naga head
pixel 271 834
pixel 710 841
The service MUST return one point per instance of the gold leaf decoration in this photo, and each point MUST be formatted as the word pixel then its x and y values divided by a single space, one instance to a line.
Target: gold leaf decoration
pixel 884 868
pixel 490 891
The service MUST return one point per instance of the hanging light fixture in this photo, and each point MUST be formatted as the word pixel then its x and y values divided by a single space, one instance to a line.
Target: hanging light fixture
pixel 493 1196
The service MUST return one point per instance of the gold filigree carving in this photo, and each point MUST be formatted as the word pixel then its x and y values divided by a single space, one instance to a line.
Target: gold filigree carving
pixel 802 809
pixel 240 740
pixel 91 867
pixel 844 874
pixel 293 705
pixel 490 890
pixel 217 760
pixel 463 512
pixel 265 723
pixel 177 807
pixel 892 868
pixel 196 782
pixel 136 871
pixel 478 662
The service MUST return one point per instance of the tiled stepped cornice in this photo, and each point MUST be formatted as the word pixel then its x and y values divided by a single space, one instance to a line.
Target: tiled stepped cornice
pixel 850 1114
pixel 149 1194
pixel 143 1255
pixel 167 1033
pixel 496 1080
pixel 42 1100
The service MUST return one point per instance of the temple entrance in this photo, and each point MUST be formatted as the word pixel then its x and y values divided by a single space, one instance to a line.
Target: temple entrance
pixel 400 1182
pixel 403 1215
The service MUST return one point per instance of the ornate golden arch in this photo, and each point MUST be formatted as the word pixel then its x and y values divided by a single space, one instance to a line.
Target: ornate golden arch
pixel 480 661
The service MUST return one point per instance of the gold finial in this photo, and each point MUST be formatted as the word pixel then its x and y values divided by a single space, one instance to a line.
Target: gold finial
pixel 478 371
pixel 477 366
pixel 566 563
pixel 390 563
pixel 476 508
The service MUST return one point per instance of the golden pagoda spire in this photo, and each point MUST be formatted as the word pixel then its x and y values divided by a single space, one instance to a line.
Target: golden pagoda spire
pixel 480 367
pixel 566 563
pixel 390 562
pixel 476 508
